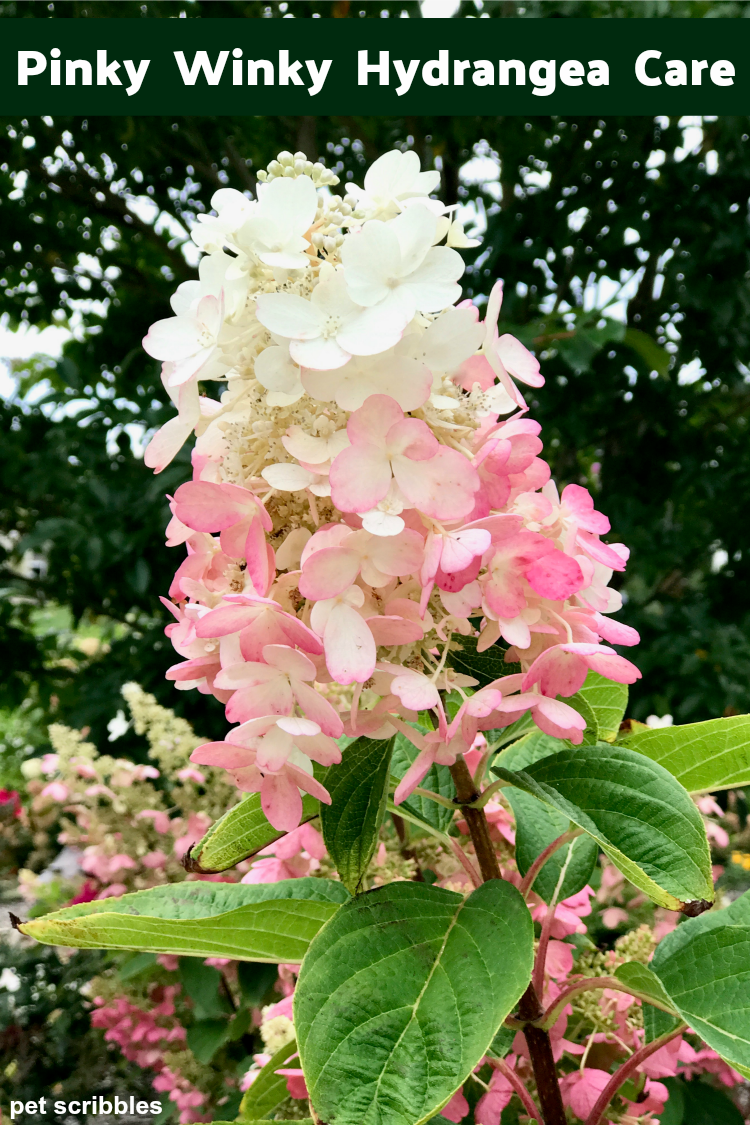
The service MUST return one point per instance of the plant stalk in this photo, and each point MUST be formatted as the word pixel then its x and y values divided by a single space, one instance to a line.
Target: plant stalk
pixel 625 1071
pixel 530 1009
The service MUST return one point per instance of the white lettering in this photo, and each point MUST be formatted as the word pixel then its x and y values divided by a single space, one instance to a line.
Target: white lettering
pixel 406 74
pixel 70 72
pixel 106 72
pixel 201 62
pixel 722 73
pixel 365 68
pixel 25 71
pixel 435 71
pixel 318 75
pixel 136 75
pixel 676 73
pixel 504 68
pixel 572 72
pixel 640 68
pixel 542 74
pixel 289 72
pixel 598 74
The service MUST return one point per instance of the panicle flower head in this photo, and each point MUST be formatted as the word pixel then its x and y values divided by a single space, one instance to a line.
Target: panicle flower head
pixel 367 488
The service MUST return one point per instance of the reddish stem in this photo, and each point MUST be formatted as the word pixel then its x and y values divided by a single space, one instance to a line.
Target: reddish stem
pixel 518 1086
pixel 529 1009
pixel 541 953
pixel 625 1071
pixel 530 876
pixel 554 1010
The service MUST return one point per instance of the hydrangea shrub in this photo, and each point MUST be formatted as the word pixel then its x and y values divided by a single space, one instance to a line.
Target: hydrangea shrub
pixel 402 614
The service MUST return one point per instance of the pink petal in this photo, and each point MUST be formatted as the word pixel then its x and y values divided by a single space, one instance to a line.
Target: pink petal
pixel 442 487
pixel 318 709
pixel 328 572
pixel 615 631
pixel 415 773
pixel 615 668
pixel 518 361
pixel 558 719
pixel 412 438
pixel 272 698
pixel 558 672
pixel 392 630
pixel 462 547
pixel 370 424
pixel 556 576
pixel 281 802
pixel 360 476
pixel 349 646
pixel 307 782
pixel 599 551
pixel 212 507
pixel 415 691
pixel 223 754
pixel 289 661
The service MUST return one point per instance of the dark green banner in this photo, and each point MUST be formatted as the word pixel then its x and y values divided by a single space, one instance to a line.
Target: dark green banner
pixel 328 66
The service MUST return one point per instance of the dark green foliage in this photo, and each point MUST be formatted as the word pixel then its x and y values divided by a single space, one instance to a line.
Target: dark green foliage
pixel 45 1031
pixel 697 1103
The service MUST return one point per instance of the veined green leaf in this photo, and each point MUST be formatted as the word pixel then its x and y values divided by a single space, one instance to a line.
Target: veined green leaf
pixel 205 1038
pixel 702 756
pixel 604 701
pixel 269 1088
pixel 640 816
pixel 704 967
pixel 351 823
pixel 401 995
pixel 241 832
pixel 537 826
pixel 483 666
pixel 530 748
pixel 438 780
pixel 248 922
pixel 644 984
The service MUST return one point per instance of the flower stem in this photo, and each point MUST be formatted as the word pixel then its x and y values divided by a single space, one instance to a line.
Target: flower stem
pixel 518 1086
pixel 528 880
pixel 625 1071
pixel 530 1009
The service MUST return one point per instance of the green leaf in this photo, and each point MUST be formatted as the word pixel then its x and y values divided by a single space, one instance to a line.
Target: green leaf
pixel 697 1103
pixel 505 735
pixel 655 357
pixel 502 1043
pixel 530 748
pixel 205 1038
pixel 255 979
pixel 136 965
pixel 248 922
pixel 238 834
pixel 241 1022
pixel 483 666
pixel 438 780
pixel 639 815
pixel 644 984
pixel 704 967
pixel 703 757
pixel 402 993
pixel 201 983
pixel 351 823
pixel 269 1088
pixel 537 825
pixel 602 703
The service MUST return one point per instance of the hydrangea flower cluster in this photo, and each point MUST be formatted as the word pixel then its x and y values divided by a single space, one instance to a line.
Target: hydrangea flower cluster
pixel 367 492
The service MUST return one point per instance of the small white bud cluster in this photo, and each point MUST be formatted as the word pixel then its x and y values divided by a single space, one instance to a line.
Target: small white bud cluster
pixel 291 165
